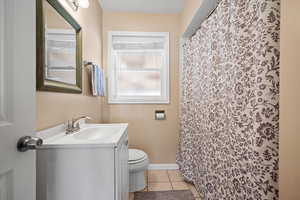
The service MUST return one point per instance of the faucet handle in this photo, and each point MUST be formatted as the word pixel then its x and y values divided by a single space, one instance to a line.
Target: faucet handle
pixel 70 123
pixel 68 126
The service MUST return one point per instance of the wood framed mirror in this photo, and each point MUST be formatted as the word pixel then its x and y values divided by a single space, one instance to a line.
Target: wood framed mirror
pixel 59 49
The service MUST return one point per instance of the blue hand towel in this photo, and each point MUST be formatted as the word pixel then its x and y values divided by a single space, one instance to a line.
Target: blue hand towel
pixel 100 87
pixel 98 81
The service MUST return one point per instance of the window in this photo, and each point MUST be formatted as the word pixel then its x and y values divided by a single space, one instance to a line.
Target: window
pixel 138 67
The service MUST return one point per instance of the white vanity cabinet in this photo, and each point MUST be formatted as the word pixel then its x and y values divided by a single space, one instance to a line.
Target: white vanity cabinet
pixel 90 169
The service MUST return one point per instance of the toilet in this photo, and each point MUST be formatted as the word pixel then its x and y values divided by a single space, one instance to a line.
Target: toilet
pixel 138 162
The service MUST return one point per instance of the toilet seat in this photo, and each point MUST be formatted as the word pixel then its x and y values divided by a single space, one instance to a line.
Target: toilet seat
pixel 136 156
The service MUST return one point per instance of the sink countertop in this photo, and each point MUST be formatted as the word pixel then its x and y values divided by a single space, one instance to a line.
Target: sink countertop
pixel 90 135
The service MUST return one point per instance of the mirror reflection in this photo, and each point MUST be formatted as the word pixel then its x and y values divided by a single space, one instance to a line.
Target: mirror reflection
pixel 60 47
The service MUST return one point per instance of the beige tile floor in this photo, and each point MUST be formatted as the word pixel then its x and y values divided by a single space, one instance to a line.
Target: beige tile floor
pixel 162 180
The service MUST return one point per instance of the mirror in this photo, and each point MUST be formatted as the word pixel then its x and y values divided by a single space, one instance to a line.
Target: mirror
pixel 59 56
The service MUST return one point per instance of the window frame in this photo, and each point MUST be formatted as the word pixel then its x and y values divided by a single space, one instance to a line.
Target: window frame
pixel 164 98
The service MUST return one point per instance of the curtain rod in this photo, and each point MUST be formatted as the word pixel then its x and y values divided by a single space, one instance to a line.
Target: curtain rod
pixel 206 9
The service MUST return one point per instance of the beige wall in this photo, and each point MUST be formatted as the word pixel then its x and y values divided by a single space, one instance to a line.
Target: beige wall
pixel 55 108
pixel 189 10
pixel 290 101
pixel 158 138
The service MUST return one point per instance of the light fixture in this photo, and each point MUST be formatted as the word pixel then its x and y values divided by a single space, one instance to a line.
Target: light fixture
pixel 76 4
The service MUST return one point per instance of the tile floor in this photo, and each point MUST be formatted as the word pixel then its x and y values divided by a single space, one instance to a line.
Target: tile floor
pixel 162 180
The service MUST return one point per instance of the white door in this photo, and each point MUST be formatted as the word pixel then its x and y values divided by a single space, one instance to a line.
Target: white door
pixel 17 98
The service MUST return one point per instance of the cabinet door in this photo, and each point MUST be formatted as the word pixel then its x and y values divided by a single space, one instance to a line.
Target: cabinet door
pixel 122 172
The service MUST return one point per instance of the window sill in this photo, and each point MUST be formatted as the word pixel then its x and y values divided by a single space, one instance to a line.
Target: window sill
pixel 112 102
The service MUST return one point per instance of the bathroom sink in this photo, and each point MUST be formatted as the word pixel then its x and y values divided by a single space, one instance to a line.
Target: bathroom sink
pixel 89 164
pixel 97 133
pixel 89 134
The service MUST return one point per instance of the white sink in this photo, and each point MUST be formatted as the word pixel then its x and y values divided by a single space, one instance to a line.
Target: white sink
pixel 89 134
pixel 97 133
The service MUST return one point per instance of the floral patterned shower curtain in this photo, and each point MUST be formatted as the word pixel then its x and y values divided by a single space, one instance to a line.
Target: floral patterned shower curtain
pixel 230 102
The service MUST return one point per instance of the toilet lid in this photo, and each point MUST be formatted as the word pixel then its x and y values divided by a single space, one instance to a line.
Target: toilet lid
pixel 136 154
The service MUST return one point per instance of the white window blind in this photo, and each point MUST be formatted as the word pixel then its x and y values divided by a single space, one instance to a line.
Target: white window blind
pixel 138 67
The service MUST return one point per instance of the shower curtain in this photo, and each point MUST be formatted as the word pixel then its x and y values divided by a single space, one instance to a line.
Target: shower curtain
pixel 229 134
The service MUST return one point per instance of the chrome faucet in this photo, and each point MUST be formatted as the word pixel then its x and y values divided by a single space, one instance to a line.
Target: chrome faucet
pixel 74 125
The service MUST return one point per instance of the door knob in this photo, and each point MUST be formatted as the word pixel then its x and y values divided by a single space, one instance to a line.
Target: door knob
pixel 26 143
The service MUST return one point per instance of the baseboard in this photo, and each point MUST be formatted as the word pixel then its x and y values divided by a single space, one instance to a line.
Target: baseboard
pixel 163 166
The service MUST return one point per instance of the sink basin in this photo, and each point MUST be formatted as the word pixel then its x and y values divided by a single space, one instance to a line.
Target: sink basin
pixel 96 133
pixel 89 134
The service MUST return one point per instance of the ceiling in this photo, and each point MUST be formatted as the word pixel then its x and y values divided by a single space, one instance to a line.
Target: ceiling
pixel 147 6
